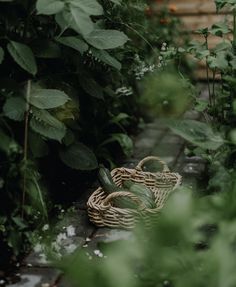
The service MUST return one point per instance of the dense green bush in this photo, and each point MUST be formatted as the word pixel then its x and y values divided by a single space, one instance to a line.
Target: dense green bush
pixel 69 85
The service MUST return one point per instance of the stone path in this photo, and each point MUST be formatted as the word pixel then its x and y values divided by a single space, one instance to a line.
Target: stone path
pixel 155 140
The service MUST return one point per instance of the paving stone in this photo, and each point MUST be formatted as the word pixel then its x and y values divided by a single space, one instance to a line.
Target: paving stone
pixel 110 235
pixel 145 143
pixel 155 134
pixel 192 115
pixel 196 169
pixel 172 139
pixel 167 149
pixel 157 124
pixel 194 159
pixel 83 229
pixel 37 277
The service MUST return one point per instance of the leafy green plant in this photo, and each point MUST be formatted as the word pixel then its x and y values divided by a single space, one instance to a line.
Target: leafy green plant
pixel 69 85
pixel 187 246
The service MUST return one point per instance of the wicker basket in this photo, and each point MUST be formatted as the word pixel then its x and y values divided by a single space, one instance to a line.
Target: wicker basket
pixel 103 213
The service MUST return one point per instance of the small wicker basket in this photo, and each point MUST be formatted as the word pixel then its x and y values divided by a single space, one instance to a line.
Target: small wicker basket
pixel 102 212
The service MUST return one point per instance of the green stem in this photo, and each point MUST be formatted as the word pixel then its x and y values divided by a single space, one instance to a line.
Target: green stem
pixel 26 135
pixel 234 32
pixel 207 73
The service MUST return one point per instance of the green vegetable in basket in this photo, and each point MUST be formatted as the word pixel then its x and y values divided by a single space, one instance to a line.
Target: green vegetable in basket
pixel 109 186
pixel 106 181
pixel 143 192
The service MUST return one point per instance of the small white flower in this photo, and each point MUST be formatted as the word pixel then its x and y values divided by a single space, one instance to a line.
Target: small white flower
pixel 56 246
pixel 61 237
pixel 98 253
pixel 45 227
pixel 70 230
pixel 70 248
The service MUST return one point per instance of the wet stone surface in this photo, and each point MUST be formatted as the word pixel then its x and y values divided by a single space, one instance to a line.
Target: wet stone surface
pixel 37 277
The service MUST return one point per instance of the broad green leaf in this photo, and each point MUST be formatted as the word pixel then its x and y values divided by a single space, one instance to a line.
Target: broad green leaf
pixel 37 145
pixel 90 7
pixel 123 140
pixel 106 39
pixel 220 29
pixel 62 21
pixel 1 54
pixel 4 142
pixel 198 133
pixel 91 87
pixel 49 7
pixel 14 108
pixel 47 98
pixel 78 156
pixel 225 45
pixel 106 58
pixel 23 56
pixel 45 124
pixel 117 2
pixel 80 21
pixel 74 43
pixel 218 62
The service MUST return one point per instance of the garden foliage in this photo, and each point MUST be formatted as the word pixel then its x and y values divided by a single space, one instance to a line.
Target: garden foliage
pixel 69 86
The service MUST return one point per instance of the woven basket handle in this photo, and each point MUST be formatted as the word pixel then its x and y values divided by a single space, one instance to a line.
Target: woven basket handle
pixel 116 194
pixel 148 158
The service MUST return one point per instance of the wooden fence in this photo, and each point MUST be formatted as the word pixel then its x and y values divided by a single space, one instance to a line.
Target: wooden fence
pixel 197 14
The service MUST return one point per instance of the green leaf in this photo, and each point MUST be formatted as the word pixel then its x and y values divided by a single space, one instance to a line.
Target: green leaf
pixel 37 145
pixel 4 142
pixel 1 55
pixel 35 193
pixel 90 7
pixel 198 133
pixel 91 87
pixel 80 21
pixel 47 98
pixel 106 58
pixel 14 108
pixel 106 39
pixel 225 45
pixel 123 140
pixel 74 43
pixel 19 222
pixel 23 56
pixel 45 124
pixel 117 2
pixel 218 61
pixel 78 156
pixel 220 29
pixel 49 7
pixel 201 105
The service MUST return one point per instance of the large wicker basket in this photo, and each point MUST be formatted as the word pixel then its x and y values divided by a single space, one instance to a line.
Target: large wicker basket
pixel 102 212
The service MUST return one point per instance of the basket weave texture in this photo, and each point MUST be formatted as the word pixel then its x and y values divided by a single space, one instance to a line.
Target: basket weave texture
pixel 102 212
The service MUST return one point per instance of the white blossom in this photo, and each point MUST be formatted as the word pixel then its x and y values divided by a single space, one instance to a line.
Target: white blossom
pixel 70 230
